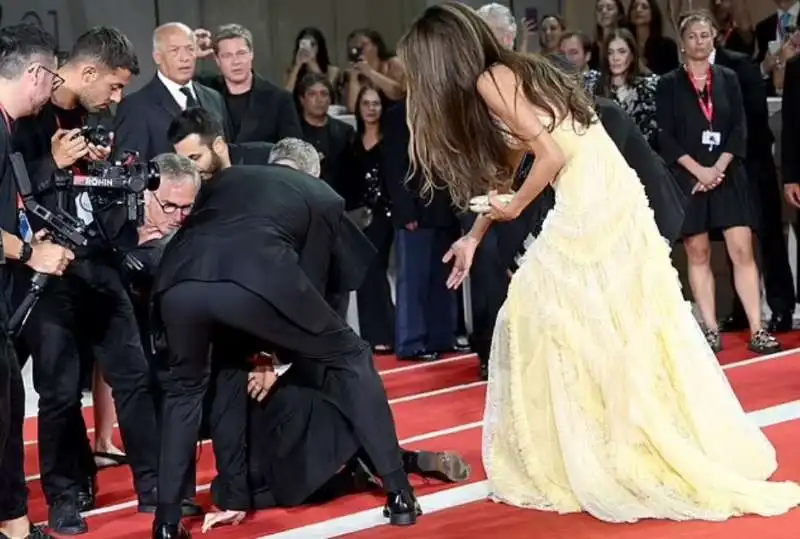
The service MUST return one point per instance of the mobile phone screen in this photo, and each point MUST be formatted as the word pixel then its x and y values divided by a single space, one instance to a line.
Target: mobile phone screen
pixel 532 15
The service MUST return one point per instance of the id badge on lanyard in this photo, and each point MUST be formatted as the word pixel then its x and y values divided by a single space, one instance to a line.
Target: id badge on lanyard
pixel 24 226
pixel 709 137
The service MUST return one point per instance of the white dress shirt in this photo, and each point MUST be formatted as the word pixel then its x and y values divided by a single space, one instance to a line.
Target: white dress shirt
pixel 174 90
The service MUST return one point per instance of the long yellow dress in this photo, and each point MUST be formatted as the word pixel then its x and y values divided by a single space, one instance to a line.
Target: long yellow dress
pixel 603 394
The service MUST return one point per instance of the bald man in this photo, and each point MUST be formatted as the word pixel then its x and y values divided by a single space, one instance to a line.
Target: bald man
pixel 143 118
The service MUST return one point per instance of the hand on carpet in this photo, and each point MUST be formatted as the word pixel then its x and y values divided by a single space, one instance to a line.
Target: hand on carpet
pixel 233 518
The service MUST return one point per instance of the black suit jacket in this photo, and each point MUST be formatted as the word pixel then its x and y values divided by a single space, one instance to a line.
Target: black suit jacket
pixel 143 118
pixel 754 97
pixel 272 230
pixel 790 115
pixel 407 206
pixel 271 113
pixel 250 153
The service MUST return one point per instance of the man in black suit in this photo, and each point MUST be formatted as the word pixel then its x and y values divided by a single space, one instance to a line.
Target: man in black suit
pixel 143 118
pixel 761 171
pixel 259 111
pixel 247 272
pixel 199 135
pixel 427 311
pixel 790 134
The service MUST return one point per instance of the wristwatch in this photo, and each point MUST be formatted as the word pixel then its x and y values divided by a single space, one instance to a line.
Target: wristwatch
pixel 25 253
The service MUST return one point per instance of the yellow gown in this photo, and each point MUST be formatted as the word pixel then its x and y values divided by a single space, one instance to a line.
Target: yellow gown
pixel 603 393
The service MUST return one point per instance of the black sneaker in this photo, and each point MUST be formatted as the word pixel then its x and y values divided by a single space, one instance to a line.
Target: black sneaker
pixel 762 342
pixel 64 517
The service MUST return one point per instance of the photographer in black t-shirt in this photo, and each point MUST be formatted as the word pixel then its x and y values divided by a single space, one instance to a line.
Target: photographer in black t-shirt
pixel 89 307
pixel 27 79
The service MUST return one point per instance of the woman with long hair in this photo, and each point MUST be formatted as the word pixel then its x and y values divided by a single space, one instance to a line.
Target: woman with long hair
pixel 646 21
pixel 310 55
pixel 603 393
pixel 609 15
pixel 371 63
pixel 623 79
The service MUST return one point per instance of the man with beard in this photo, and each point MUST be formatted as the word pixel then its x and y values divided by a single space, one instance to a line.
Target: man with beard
pixel 90 305
pixel 199 135
pixel 248 272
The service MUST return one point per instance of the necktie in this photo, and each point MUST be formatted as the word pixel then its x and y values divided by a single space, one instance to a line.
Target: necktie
pixel 190 100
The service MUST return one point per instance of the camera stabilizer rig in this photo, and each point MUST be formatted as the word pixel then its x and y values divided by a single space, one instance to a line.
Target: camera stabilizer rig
pixel 104 180
pixel 63 229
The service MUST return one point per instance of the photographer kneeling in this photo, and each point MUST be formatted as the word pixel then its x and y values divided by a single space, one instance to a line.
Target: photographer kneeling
pixel 90 304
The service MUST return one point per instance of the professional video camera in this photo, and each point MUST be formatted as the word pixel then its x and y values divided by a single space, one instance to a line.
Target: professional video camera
pixel 63 229
pixel 106 180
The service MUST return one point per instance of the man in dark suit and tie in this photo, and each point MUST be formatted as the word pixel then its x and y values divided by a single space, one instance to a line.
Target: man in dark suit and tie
pixel 761 171
pixel 143 118
pixel 259 111
pixel 245 273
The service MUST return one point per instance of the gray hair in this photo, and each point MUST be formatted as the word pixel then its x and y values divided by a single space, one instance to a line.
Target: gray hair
pixel 176 168
pixel 164 28
pixel 232 31
pixel 500 19
pixel 297 154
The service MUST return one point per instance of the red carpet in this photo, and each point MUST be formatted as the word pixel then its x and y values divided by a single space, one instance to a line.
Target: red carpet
pixel 439 406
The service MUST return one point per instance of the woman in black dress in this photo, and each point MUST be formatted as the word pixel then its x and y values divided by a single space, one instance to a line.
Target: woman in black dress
pixel 702 135
pixel 375 307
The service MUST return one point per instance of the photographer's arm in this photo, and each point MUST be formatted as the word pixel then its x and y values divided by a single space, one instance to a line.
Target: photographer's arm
pixel 12 246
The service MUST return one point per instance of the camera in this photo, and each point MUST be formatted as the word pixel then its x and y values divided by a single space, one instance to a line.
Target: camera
pixel 105 180
pixel 98 135
pixel 355 54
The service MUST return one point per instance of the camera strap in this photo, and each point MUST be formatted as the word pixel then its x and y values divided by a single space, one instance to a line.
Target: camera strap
pixel 23 225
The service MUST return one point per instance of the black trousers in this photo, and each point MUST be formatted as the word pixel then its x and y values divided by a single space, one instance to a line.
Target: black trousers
pixel 13 490
pixel 375 307
pixel 202 315
pixel 771 244
pixel 92 308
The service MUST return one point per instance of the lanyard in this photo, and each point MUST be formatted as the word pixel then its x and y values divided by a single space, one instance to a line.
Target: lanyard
pixel 707 104
pixel 728 34
pixel 9 123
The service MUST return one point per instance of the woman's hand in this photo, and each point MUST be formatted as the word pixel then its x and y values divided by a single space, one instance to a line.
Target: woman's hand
pixel 304 56
pixel 710 177
pixel 233 518
pixel 461 253
pixel 503 212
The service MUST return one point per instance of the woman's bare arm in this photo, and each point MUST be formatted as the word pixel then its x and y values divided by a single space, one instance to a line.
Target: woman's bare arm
pixel 500 89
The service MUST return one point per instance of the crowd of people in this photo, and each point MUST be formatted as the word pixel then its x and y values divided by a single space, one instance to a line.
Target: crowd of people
pixel 271 211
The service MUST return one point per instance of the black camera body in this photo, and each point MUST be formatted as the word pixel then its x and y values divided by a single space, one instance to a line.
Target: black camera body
pixel 97 135
pixel 355 54
pixel 113 183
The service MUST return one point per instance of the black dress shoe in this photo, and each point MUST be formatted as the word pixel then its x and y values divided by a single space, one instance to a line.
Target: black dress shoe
pixel 422 356
pixel 148 503
pixel 402 508
pixel 86 499
pixel 170 531
pixel 64 518
pixel 780 322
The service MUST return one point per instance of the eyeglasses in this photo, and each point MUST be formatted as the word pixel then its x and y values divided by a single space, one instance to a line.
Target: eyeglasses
pixel 57 79
pixel 169 208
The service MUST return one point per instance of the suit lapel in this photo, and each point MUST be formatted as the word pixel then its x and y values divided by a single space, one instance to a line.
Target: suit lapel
pixel 164 98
